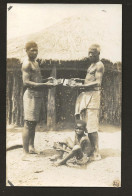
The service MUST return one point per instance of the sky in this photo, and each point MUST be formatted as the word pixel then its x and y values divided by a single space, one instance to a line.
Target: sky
pixel 24 19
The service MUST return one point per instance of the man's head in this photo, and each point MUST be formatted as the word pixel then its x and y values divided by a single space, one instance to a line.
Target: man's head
pixel 80 127
pixel 94 52
pixel 31 49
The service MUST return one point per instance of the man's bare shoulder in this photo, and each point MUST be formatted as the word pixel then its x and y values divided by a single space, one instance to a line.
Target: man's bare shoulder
pixel 100 66
pixel 26 66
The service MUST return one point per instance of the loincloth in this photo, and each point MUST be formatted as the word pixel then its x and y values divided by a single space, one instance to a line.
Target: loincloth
pixel 87 106
pixel 90 99
pixel 32 103
pixel 91 117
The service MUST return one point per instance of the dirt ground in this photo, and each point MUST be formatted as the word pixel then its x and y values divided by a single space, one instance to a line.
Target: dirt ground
pixel 40 171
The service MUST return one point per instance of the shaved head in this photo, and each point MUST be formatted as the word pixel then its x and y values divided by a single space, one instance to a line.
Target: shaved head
pixel 95 48
pixel 81 122
pixel 93 53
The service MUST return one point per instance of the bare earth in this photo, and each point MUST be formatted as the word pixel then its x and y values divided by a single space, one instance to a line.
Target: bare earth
pixel 40 171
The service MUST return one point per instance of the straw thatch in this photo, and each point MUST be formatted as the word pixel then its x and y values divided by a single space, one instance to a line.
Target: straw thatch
pixel 70 39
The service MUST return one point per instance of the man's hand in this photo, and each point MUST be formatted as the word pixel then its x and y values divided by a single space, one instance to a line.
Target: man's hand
pixel 77 79
pixel 50 85
pixel 50 78
pixel 76 86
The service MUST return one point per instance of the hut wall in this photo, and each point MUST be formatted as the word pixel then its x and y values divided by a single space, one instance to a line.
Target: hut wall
pixel 65 97
pixel 110 112
pixel 14 96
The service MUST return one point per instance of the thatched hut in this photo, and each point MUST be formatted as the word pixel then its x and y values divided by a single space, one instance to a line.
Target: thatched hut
pixel 63 51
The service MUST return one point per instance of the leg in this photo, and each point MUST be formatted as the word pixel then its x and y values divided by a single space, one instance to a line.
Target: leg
pixel 91 141
pixel 58 156
pixel 73 153
pixel 31 137
pixel 59 150
pixel 62 145
pixel 32 107
pixel 92 116
pixel 94 141
pixel 63 161
pixel 25 137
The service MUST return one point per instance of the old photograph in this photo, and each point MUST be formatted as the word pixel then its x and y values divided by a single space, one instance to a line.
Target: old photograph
pixel 63 95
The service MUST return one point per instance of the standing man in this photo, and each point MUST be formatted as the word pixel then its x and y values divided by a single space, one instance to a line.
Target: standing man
pixel 88 102
pixel 33 96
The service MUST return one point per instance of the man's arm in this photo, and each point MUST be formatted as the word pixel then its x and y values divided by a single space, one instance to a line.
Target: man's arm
pixel 26 79
pixel 99 73
pixel 48 79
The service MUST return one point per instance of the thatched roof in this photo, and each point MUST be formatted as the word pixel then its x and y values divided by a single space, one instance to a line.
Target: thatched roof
pixel 70 39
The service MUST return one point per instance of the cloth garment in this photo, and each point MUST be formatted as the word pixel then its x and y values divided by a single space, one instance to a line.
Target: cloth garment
pixel 90 99
pixel 91 117
pixel 32 101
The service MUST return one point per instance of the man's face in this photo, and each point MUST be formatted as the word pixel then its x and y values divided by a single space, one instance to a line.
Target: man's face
pixel 32 53
pixel 79 129
pixel 93 55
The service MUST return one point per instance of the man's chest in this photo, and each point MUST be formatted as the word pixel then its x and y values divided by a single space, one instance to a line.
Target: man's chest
pixel 92 69
pixel 35 72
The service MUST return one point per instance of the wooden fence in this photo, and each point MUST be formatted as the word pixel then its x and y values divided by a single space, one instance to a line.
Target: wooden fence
pixel 63 98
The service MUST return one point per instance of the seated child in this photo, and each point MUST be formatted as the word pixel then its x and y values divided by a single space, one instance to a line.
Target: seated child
pixel 80 149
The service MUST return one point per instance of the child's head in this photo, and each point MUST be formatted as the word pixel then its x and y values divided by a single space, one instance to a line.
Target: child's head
pixel 80 127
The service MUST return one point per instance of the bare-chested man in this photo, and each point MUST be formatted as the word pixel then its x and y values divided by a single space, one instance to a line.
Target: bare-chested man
pixel 33 96
pixel 88 102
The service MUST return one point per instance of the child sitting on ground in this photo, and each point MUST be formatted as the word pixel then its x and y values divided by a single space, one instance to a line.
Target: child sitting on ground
pixel 79 150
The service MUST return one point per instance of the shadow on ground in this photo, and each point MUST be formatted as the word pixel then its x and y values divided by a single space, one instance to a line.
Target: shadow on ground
pixel 48 152
pixel 109 128
pixel 109 152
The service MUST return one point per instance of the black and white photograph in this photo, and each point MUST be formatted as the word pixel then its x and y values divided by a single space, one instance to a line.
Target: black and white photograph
pixel 64 95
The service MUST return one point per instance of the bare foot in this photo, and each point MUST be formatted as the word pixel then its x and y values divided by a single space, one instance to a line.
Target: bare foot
pixel 54 157
pixel 28 157
pixel 25 157
pixel 95 157
pixel 32 150
pixel 57 163
pixel 83 161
